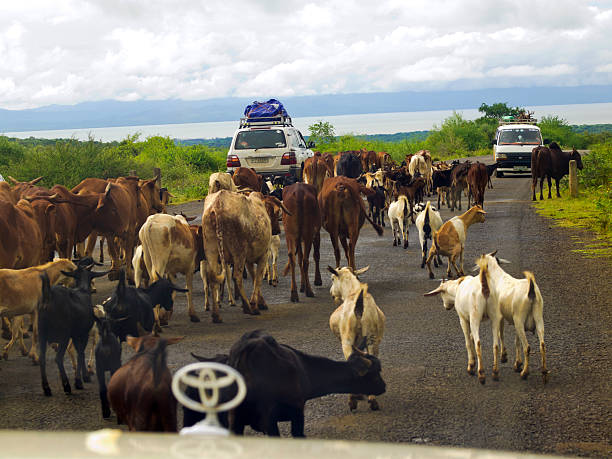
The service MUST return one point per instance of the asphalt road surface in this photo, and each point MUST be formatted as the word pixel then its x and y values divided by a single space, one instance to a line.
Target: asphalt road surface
pixel 430 397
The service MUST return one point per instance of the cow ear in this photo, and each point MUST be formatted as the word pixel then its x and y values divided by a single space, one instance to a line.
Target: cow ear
pixel 219 358
pixel 437 291
pixel 332 270
pixel 361 270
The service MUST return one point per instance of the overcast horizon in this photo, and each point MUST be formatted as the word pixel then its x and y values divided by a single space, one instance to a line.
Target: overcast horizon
pixel 69 51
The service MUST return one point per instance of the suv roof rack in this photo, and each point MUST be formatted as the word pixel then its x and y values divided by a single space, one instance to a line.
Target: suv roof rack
pixel 523 121
pixel 279 120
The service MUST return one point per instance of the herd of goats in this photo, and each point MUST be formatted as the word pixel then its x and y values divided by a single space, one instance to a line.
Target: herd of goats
pixel 240 234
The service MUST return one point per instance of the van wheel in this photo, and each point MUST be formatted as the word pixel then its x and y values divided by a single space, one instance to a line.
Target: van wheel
pixel 499 174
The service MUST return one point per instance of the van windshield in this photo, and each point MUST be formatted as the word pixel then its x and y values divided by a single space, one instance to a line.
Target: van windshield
pixel 520 137
pixel 266 138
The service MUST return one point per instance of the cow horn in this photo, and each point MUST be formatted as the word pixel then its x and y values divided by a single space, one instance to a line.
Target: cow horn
pixel 15 182
pixel 332 270
pixel 279 203
pixel 36 180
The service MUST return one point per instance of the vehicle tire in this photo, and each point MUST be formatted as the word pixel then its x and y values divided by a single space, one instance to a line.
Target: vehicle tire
pixel 499 174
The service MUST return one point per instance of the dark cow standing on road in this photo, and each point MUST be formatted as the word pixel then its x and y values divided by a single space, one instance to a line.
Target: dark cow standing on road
pixel 349 165
pixel 477 178
pixel 343 214
pixel 550 162
pixel 302 230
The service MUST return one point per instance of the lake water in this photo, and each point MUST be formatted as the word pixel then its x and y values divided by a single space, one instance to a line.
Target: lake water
pixel 375 123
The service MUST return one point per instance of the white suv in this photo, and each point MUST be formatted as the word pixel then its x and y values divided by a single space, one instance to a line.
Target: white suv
pixel 272 148
pixel 513 144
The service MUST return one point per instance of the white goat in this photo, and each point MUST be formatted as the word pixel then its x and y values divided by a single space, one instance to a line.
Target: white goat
pixel 358 319
pixel 475 299
pixel 521 305
pixel 398 215
pixel 427 222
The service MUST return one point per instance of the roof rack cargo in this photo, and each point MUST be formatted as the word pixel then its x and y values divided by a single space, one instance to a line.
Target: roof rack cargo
pixel 271 121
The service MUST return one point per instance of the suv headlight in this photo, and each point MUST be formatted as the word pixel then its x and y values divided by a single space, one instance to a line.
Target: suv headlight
pixel 501 156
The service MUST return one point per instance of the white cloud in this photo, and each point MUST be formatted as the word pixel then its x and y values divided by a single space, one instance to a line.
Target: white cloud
pixel 70 51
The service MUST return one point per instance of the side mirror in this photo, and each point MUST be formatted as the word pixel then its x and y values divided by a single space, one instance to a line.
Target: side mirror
pixel 310 144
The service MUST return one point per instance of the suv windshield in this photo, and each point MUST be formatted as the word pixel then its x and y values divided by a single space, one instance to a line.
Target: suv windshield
pixel 520 136
pixel 268 138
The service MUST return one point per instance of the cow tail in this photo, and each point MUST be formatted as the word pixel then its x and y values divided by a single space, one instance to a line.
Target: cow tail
pixel 377 227
pixel 45 291
pixel 530 277
pixel 219 278
pixel 426 225
pixel 405 201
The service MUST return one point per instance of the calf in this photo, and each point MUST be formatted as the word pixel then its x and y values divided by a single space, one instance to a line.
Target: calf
pixel 140 391
pixel 398 217
pixel 475 299
pixel 449 241
pixel 357 319
pixel 270 272
pixel 65 314
pixel 428 222
pixel 280 380
pixel 521 304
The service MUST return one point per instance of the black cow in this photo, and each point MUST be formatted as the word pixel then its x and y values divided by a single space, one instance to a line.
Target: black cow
pixel 281 379
pixel 377 205
pixel 108 358
pixel 349 165
pixel 550 162
pixel 442 182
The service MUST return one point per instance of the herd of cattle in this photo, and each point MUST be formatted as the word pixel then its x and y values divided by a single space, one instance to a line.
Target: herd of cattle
pixel 240 234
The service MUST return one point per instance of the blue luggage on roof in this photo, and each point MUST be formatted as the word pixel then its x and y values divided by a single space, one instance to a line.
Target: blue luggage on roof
pixel 265 111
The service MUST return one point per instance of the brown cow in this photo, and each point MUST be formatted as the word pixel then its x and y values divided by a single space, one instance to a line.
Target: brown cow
pixel 247 178
pixel 6 193
pixel 23 189
pixel 477 178
pixel 21 244
pixel 316 170
pixel 369 160
pixel 302 229
pixel 140 391
pixel 550 162
pixel 343 214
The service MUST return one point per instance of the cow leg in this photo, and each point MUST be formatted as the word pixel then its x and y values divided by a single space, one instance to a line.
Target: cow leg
pixel 95 337
pixel 237 274
pixel 557 185
pixel 534 184
pixel 106 412
pixel 504 351
pixel 317 257
pixel 91 243
pixel 300 264
pixel 101 258
pixel 257 300
pixel 231 294
pixel 548 179
pixel 204 284
pixel 304 267
pixel 495 331
pixel 189 286
pixel 43 365
pixel 540 331
pixel 291 265
pixel 405 233
pixel 334 240
pixel 345 246
pixel 519 325
pixel 81 374
pixel 297 423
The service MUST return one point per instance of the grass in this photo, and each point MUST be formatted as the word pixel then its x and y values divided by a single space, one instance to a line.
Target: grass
pixel 583 213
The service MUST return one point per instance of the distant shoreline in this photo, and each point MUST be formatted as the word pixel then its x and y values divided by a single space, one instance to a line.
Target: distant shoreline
pixel 358 124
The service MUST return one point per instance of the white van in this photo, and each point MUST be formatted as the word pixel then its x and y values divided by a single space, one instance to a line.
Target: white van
pixel 514 141
pixel 272 148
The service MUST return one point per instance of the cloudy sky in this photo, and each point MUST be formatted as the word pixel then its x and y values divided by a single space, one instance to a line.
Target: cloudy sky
pixel 71 51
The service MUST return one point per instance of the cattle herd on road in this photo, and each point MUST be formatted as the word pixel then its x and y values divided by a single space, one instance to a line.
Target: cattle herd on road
pixel 240 236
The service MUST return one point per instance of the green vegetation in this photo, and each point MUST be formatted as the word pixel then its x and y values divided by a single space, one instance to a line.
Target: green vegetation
pixel 185 168
pixel 186 165
pixel 593 208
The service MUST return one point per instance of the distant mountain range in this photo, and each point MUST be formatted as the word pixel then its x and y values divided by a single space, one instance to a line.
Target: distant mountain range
pixel 115 113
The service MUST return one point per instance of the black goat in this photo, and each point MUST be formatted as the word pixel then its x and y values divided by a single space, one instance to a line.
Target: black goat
pixel 490 169
pixel 65 313
pixel 108 358
pixel 281 379
pixel 131 308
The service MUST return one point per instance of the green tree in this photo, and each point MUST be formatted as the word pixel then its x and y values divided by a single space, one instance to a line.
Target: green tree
pixel 322 132
pixel 558 130
pixel 498 110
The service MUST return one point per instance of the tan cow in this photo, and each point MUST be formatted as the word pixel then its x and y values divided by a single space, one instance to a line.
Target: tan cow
pixel 169 248
pixel 220 181
pixel 236 229
pixel 20 292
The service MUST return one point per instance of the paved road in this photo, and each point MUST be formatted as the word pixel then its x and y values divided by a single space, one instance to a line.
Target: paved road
pixel 430 398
